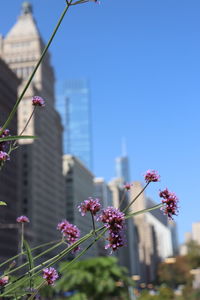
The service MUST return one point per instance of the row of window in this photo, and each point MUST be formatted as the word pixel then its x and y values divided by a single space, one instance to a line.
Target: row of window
pixel 23 72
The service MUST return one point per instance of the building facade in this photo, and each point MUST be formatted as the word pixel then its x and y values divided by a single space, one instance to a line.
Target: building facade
pixel 9 175
pixel 78 187
pixel 42 183
pixel 128 255
pixel 73 104
pixel 154 234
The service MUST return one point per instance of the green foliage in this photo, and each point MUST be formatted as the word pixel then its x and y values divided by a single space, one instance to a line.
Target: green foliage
pixel 175 274
pixel 98 278
pixel 193 254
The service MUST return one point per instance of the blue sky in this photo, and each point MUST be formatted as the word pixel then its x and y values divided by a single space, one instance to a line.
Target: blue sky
pixel 142 58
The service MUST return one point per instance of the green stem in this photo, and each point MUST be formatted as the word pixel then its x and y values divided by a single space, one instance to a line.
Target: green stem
pixel 10 117
pixel 15 142
pixel 34 258
pixel 37 290
pixel 23 279
pixel 138 195
pixel 51 261
pixel 123 198
pixel 22 238
pixel 144 211
pixel 86 249
pixel 93 224
pixel 35 248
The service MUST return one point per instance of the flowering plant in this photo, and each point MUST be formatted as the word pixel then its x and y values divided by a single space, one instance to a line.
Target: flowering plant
pixel 112 218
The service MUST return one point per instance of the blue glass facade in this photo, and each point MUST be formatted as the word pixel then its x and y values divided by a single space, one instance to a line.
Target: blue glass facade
pixel 73 104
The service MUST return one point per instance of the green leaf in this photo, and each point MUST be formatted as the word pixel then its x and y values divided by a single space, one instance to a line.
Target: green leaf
pixel 30 260
pixel 144 210
pixel 17 137
pixel 2 203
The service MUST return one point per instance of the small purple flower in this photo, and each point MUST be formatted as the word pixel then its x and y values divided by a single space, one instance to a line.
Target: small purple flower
pixel 22 219
pixel 69 231
pixel 38 101
pixel 151 176
pixel 91 205
pixel 61 226
pixel 115 239
pixel 3 281
pixel 4 156
pixel 170 201
pixel 127 186
pixel 113 218
pixel 4 144
pixel 164 194
pixel 50 274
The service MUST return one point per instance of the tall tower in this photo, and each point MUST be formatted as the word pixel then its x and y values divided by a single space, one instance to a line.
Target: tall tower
pixel 122 165
pixel 73 103
pixel 42 188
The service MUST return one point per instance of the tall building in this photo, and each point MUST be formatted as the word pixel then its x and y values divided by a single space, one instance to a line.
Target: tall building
pixel 78 187
pixel 42 189
pixel 128 256
pixel 196 232
pixel 73 104
pixel 122 168
pixel 10 173
pixel 122 165
pixel 102 191
pixel 154 234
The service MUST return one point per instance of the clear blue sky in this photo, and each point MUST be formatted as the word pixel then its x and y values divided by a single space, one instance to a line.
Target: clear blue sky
pixel 142 58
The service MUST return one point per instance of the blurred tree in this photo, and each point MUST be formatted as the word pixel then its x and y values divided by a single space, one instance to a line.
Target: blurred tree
pixel 176 273
pixel 193 254
pixel 98 278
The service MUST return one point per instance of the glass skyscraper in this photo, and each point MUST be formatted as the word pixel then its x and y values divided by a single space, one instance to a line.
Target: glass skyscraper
pixel 73 104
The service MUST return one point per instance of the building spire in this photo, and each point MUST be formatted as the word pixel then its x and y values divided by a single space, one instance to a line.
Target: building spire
pixel 27 8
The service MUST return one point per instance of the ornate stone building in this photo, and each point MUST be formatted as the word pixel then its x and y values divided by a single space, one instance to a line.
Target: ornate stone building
pixel 42 183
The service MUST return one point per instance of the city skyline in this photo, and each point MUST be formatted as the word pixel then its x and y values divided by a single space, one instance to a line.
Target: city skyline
pixel 144 74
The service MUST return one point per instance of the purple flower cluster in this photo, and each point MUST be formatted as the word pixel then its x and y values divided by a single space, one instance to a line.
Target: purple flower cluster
pixel 114 220
pixel 38 101
pixel 171 203
pixel 151 176
pixel 127 186
pixel 3 281
pixel 50 274
pixel 22 219
pixel 90 205
pixel 69 231
pixel 4 156
pixel 3 146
